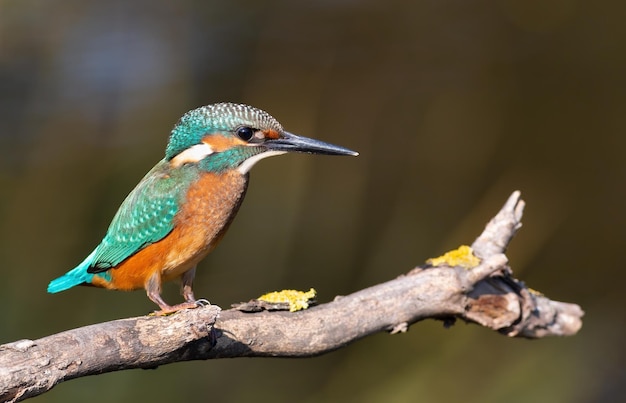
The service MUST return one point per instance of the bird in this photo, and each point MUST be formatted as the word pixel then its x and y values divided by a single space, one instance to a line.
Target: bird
pixel 182 207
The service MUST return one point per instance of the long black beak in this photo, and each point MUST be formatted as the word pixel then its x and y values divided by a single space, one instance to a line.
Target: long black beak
pixel 291 142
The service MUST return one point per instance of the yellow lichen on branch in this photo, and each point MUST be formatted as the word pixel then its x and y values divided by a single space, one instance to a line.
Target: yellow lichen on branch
pixel 297 300
pixel 463 256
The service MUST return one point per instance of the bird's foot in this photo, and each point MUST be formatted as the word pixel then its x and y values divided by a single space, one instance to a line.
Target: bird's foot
pixel 202 302
pixel 168 310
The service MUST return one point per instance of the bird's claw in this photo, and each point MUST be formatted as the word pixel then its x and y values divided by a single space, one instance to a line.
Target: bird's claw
pixel 202 302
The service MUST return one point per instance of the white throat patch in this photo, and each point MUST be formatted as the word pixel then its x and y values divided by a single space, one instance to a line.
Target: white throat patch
pixel 249 163
pixel 192 154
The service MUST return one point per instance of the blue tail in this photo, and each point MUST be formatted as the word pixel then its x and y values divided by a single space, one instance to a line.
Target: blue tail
pixel 73 277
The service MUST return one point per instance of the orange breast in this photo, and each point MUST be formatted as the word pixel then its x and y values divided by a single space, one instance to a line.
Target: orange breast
pixel 210 205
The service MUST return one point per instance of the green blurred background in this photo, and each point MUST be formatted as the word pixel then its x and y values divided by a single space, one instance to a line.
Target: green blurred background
pixel 452 105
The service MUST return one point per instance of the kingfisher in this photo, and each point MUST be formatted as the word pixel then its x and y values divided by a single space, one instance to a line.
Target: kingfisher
pixel 181 209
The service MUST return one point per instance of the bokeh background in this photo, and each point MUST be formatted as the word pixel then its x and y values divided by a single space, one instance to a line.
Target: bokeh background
pixel 452 105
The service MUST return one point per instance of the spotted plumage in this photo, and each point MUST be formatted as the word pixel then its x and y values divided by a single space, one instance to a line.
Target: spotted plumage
pixel 181 209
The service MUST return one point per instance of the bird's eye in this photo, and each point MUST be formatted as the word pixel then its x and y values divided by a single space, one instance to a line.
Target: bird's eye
pixel 245 133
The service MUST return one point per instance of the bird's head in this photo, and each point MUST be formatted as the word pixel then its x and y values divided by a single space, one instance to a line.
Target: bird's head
pixel 235 136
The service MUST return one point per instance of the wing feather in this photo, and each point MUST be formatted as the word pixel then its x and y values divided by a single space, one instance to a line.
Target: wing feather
pixel 145 217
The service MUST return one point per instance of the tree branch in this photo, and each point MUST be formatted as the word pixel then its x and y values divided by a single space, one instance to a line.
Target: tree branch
pixel 486 294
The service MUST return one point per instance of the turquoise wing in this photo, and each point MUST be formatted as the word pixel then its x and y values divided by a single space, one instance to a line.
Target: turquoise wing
pixel 145 217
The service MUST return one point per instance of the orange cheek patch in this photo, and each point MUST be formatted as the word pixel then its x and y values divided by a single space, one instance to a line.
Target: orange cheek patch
pixel 271 134
pixel 220 143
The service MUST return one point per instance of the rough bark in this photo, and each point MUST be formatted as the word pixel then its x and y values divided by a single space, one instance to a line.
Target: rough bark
pixel 487 295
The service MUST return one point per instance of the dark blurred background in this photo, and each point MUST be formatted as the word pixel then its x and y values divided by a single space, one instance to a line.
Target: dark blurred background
pixel 452 105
